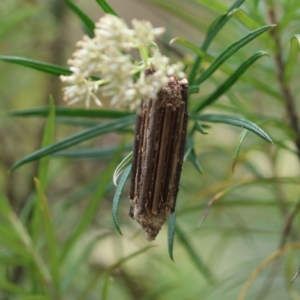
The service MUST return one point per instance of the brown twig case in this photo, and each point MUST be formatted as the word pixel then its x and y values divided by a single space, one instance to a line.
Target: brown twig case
pixel 159 142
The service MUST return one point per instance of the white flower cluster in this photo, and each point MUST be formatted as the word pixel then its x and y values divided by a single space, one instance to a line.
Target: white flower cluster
pixel 107 55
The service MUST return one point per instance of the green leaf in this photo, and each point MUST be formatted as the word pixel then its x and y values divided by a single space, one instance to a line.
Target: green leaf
pixel 171 234
pixel 91 285
pixel 87 22
pixel 117 198
pixel 214 28
pixel 192 154
pixel 245 19
pixel 76 139
pixel 291 62
pixel 35 297
pixel 43 169
pixel 181 12
pixel 214 5
pixel 106 7
pixel 231 80
pixel 229 51
pixel 99 153
pixel 218 24
pixel 121 167
pixel 49 234
pixel 237 148
pixel 7 286
pixel 37 65
pixel 48 139
pixel 199 127
pixel 92 208
pixel 233 120
pixel 72 112
pixel 75 262
pixel 199 264
pixel 225 68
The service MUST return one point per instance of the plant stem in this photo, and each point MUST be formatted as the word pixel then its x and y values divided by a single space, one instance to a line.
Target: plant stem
pixel 284 87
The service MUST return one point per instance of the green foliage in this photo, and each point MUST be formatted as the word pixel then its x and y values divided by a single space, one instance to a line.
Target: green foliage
pixel 58 239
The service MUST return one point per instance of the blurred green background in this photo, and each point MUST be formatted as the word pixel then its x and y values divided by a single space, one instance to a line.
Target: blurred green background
pixel 255 209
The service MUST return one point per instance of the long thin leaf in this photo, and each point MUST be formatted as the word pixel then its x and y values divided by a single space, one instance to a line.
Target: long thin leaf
pixel 11 287
pixel 106 7
pixel 199 264
pixel 231 80
pixel 214 29
pixel 233 120
pixel 237 148
pixel 171 234
pixel 121 167
pixel 117 198
pixel 71 112
pixel 37 65
pixel 49 233
pixel 76 139
pixel 245 19
pixel 89 153
pixel 229 51
pixel 48 139
pixel 214 5
pixel 292 58
pixel 87 22
pixel 225 68
pixel 93 205
pixel 87 290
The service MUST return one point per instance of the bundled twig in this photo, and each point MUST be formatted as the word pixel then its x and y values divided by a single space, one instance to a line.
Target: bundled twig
pixel 160 137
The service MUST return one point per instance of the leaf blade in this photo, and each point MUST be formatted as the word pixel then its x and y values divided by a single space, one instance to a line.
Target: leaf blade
pixel 37 65
pixel 230 50
pixel 117 197
pixel 292 58
pixel 106 7
pixel 235 121
pixel 76 139
pixel 231 80
pixel 87 22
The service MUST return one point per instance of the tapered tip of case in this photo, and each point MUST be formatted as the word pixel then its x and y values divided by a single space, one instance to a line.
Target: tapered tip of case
pixel 151 223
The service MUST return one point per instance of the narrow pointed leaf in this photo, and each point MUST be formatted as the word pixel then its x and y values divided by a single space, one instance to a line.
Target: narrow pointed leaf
pixel 237 148
pixel 7 286
pixel 200 128
pixel 37 65
pixel 192 154
pixel 214 29
pixel 121 167
pixel 235 121
pixel 171 234
pixel 48 139
pixel 245 19
pixel 198 263
pixel 231 80
pixel 87 22
pixel 91 285
pixel 229 51
pixel 291 62
pixel 43 168
pixel 225 68
pixel 49 233
pixel 76 139
pixel 99 153
pixel 72 112
pixel 93 205
pixel 214 5
pixel 106 7
pixel 117 198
